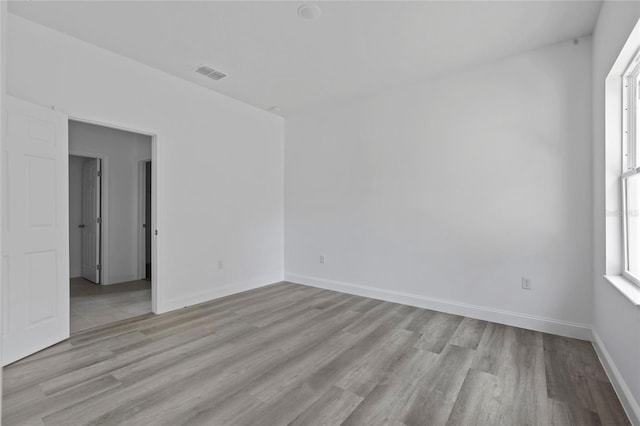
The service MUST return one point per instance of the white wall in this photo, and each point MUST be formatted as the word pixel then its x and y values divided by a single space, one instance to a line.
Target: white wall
pixel 445 194
pixel 121 151
pixel 616 321
pixel 75 216
pixel 220 162
pixel 3 67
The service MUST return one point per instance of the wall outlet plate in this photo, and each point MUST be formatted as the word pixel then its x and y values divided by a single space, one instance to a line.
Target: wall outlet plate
pixel 526 283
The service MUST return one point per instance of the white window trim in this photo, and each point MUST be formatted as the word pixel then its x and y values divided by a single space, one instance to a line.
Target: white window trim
pixel 629 163
pixel 617 170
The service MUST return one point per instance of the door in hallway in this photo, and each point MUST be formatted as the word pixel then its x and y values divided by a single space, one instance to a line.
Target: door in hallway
pixel 147 221
pixel 91 220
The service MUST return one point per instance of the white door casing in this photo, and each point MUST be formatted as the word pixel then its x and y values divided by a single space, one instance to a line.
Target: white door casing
pixel 91 215
pixel 35 229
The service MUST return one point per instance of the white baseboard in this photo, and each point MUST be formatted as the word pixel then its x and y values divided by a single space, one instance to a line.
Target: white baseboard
pixel 531 322
pixel 216 293
pixel 617 380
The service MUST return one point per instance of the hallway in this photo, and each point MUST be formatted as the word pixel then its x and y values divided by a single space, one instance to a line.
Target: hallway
pixel 94 305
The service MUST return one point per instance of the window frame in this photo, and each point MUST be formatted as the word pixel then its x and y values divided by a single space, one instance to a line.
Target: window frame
pixel 630 145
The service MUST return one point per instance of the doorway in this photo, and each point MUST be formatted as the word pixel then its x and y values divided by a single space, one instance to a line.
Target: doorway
pixel 145 202
pixel 85 218
pixel 36 246
pixel 106 283
pixel 147 221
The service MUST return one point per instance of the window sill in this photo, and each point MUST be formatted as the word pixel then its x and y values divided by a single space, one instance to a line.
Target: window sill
pixel 626 287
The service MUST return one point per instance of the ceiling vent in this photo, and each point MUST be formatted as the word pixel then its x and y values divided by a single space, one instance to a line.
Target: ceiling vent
pixel 207 71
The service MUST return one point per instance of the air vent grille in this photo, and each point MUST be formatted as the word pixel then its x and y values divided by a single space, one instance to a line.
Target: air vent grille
pixel 210 72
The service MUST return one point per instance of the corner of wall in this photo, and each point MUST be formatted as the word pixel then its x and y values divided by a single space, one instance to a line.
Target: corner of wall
pixel 616 378
pixel 216 293
pixel 531 322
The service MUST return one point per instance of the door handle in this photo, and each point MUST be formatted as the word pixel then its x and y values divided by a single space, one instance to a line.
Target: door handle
pixel 81 226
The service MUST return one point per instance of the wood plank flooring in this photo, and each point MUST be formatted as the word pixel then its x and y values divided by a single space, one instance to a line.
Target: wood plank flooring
pixel 290 354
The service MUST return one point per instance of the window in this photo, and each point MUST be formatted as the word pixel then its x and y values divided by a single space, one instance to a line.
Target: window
pixel 631 169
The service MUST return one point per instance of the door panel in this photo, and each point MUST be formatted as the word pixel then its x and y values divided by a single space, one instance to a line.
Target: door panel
pixel 35 278
pixel 91 219
pixel 147 221
pixel 41 282
pixel 42 191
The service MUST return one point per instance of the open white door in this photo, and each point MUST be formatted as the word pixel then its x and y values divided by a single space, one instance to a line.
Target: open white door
pixel 91 220
pixel 35 231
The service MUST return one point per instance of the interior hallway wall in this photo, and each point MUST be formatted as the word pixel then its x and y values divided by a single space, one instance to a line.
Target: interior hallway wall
pixel 75 216
pixel 123 151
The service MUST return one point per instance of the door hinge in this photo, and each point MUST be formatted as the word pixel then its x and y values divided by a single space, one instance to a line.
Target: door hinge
pixel 99 173
pixel 99 267
pixel 99 220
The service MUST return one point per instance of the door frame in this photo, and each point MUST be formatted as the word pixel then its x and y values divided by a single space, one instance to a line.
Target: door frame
pixel 142 189
pixel 104 204
pixel 155 282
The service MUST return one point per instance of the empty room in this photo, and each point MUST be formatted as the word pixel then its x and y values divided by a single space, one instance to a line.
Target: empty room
pixel 320 213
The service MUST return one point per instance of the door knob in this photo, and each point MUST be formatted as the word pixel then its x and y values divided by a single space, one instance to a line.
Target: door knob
pixel 81 226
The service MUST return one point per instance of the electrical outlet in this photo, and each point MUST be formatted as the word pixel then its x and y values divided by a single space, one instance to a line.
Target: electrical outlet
pixel 322 259
pixel 526 283
pixel 220 264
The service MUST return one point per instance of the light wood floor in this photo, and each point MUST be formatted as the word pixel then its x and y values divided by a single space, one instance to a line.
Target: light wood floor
pixel 290 354
pixel 93 305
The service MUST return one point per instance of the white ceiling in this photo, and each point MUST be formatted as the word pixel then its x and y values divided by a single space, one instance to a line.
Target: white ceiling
pixel 272 57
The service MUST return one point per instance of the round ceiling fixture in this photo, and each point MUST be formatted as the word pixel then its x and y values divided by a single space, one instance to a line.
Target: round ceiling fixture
pixel 309 11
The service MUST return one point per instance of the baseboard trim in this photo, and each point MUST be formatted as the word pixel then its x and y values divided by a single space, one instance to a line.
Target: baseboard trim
pixel 625 396
pixel 531 322
pixel 218 292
